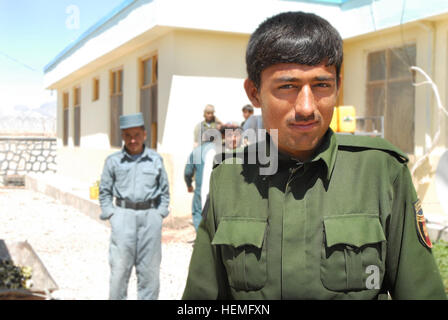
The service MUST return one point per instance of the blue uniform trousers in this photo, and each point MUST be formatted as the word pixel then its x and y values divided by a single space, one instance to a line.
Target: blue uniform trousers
pixel 135 241
pixel 197 208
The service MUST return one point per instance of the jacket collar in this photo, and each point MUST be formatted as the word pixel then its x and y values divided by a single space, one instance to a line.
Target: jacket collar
pixel 325 153
pixel 145 154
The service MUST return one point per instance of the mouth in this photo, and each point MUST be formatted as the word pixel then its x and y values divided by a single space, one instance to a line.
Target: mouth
pixel 303 125
pixel 132 145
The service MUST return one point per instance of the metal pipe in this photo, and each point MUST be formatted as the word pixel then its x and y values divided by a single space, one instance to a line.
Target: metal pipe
pixel 430 68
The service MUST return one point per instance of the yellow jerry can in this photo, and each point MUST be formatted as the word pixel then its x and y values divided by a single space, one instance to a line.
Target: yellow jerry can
pixel 94 191
pixel 334 120
pixel 346 119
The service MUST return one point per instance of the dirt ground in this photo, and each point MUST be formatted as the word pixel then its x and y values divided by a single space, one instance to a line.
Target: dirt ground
pixel 70 242
pixel 177 229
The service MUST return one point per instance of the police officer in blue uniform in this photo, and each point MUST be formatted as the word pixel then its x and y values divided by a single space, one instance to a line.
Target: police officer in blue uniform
pixel 136 178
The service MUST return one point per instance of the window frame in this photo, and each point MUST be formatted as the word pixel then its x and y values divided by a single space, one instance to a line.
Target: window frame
pixel 95 89
pixel 154 73
pixel 385 84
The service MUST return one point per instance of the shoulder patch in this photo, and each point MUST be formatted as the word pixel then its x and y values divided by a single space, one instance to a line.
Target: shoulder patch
pixel 352 142
pixel 420 221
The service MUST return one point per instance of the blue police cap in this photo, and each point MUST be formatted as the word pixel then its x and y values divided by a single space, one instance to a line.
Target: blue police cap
pixel 131 121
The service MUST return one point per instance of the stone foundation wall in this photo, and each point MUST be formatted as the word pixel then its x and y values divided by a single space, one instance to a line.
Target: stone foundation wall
pixel 21 155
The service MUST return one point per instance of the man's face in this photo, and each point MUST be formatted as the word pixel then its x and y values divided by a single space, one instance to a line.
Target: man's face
pixel 134 138
pixel 208 116
pixel 298 100
pixel 247 114
pixel 232 138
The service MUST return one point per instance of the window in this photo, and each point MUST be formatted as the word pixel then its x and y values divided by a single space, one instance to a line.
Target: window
pixel 65 111
pixel 76 96
pixel 390 93
pixel 148 97
pixel 117 82
pixel 116 106
pixel 148 71
pixel 77 115
pixel 96 89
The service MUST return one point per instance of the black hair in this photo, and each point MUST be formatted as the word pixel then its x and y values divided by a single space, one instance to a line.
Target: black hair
pixel 248 107
pixel 293 37
pixel 225 127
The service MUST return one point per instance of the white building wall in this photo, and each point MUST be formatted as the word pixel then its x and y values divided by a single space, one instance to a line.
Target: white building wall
pixel 195 68
pixel 430 38
pixel 355 72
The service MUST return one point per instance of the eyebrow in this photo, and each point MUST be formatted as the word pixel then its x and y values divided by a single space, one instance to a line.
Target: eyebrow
pixel 294 79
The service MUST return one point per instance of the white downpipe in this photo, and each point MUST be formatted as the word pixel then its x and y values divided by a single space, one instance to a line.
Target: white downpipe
pixel 441 110
pixel 430 68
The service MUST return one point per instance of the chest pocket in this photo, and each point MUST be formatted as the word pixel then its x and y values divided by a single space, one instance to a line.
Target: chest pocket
pixel 149 177
pixel 243 249
pixel 353 253
pixel 122 177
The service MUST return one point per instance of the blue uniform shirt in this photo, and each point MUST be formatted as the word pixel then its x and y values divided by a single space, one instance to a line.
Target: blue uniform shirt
pixel 134 180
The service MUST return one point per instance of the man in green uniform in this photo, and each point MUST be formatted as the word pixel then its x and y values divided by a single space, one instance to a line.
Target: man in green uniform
pixel 338 219
pixel 136 178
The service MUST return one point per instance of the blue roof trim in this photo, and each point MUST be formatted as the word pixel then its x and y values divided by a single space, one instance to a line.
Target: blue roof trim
pixel 87 33
pixel 330 1
pixel 335 2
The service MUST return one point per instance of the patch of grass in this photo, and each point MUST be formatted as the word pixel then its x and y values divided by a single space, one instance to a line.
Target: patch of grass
pixel 440 251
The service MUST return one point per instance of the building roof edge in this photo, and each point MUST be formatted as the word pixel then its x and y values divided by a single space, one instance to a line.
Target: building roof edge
pixel 125 4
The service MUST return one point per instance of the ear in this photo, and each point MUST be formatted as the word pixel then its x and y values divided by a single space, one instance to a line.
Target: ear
pixel 252 93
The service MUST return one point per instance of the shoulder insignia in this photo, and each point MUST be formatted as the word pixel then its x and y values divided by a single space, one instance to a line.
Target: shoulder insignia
pixel 350 142
pixel 420 220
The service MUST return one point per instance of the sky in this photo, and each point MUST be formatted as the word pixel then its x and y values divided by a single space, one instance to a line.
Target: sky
pixel 33 33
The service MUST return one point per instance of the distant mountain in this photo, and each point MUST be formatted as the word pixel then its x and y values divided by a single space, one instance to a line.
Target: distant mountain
pixel 47 109
pixel 23 119
pixel 21 108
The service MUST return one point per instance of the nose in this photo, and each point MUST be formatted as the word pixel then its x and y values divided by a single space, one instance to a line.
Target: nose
pixel 305 105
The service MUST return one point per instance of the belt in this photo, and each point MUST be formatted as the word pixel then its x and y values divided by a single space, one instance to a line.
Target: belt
pixel 136 205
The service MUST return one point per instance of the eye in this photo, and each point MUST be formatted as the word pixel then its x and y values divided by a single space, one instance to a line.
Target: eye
pixel 287 86
pixel 323 85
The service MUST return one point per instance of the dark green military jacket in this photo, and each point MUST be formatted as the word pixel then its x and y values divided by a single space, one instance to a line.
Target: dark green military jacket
pixel 341 226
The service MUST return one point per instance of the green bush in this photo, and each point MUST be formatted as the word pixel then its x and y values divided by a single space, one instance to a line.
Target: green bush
pixel 440 251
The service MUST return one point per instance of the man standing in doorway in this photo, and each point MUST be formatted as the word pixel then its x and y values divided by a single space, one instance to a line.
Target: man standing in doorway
pixel 195 169
pixel 136 178
pixel 210 122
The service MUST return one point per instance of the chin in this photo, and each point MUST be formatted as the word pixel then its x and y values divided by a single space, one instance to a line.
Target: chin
pixel 303 146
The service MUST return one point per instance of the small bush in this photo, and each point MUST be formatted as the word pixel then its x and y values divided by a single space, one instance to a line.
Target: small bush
pixel 440 251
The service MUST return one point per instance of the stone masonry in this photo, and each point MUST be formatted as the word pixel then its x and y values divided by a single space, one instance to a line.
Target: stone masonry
pixel 21 155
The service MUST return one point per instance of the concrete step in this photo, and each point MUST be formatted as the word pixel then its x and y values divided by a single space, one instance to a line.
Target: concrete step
pixel 66 190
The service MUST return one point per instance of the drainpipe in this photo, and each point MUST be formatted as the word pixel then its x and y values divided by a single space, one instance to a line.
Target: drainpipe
pixel 429 27
pixel 372 13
